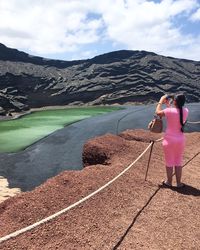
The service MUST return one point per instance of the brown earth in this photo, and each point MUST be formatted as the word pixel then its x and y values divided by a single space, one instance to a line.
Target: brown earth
pixel 129 214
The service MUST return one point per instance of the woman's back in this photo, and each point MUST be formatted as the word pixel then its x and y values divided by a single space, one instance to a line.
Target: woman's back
pixel 173 120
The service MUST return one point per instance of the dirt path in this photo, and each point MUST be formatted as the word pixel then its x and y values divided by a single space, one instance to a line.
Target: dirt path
pixel 129 214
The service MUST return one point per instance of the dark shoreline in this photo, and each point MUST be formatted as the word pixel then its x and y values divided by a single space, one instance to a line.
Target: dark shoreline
pixel 17 115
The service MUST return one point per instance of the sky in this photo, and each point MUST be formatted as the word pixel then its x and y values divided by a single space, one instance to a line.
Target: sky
pixel 81 29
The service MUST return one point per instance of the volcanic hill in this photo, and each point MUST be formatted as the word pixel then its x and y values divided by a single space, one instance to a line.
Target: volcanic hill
pixel 118 77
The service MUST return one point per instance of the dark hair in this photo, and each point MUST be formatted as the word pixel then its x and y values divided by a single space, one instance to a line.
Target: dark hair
pixel 180 101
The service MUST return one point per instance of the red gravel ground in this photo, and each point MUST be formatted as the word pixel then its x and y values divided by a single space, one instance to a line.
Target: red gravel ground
pixel 129 214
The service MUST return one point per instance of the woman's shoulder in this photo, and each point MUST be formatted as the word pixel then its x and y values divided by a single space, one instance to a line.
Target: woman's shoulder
pixel 170 109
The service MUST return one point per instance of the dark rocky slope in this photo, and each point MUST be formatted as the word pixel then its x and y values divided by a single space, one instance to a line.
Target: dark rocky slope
pixel 117 77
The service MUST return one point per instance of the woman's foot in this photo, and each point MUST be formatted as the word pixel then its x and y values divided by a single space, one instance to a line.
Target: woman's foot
pixel 166 184
pixel 180 185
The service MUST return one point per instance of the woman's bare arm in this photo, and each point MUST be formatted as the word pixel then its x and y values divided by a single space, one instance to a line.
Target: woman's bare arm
pixel 159 110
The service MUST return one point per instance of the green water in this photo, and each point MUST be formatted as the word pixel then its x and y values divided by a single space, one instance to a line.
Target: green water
pixel 16 135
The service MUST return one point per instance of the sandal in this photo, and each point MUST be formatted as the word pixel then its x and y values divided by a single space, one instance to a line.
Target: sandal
pixel 181 185
pixel 166 184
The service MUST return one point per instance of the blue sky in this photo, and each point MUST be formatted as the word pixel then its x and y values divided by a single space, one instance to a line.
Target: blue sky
pixel 80 29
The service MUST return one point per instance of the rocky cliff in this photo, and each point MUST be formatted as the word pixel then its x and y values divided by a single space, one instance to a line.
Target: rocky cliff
pixel 117 77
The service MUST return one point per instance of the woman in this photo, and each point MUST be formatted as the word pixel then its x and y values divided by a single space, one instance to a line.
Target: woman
pixel 174 139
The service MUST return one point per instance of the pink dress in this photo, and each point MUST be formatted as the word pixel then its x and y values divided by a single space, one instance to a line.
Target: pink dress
pixel 174 138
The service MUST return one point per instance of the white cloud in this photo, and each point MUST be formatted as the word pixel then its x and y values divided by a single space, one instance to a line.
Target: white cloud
pixel 50 26
pixel 196 16
pixel 148 25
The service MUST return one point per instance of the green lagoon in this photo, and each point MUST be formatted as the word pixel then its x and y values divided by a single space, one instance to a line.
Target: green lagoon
pixel 16 135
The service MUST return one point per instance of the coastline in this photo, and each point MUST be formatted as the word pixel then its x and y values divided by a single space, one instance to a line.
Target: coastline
pixel 16 115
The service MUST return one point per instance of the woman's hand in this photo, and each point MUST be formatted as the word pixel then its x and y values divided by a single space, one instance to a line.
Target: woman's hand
pixel 163 99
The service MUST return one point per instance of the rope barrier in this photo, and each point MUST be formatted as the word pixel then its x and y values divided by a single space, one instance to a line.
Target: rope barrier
pixel 28 228
pixel 191 159
pixel 49 218
pixel 188 161
pixel 197 122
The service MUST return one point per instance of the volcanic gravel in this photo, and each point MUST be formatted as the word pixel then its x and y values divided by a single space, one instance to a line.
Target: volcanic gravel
pixel 131 213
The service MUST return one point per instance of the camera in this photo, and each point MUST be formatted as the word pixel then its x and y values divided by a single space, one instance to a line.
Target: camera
pixel 168 97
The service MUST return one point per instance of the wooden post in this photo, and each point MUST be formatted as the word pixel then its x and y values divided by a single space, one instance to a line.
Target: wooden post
pixel 149 161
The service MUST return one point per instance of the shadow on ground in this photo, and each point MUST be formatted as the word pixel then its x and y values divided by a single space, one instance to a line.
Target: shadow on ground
pixel 187 190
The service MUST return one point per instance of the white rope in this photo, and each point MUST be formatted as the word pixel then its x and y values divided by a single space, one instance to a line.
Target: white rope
pixel 28 228
pixel 158 140
pixel 197 122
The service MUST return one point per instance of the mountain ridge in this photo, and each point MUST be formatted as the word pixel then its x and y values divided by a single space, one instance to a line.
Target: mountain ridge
pixel 117 77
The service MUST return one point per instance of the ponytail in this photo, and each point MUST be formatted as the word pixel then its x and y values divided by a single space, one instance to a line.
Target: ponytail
pixel 181 119
pixel 180 101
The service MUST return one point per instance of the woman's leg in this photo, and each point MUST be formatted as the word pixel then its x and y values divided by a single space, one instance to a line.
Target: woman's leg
pixel 169 171
pixel 178 172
